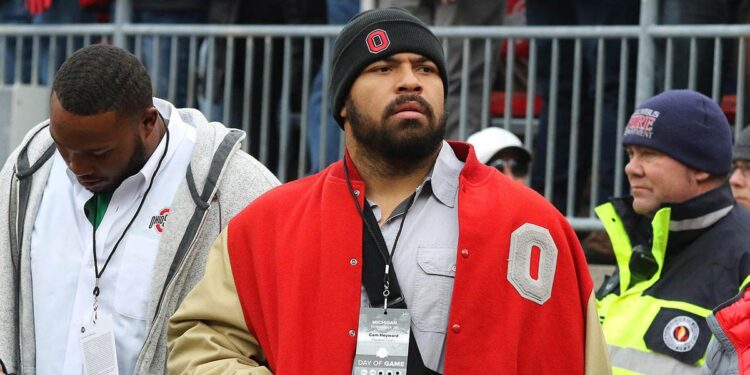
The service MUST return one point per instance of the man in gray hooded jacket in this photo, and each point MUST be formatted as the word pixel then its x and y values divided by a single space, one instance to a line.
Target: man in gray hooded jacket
pixel 107 212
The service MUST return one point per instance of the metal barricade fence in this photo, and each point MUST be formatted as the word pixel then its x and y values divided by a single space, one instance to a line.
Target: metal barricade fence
pixel 224 69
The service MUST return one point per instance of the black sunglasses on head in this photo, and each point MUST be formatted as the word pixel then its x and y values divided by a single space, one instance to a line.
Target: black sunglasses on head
pixel 518 168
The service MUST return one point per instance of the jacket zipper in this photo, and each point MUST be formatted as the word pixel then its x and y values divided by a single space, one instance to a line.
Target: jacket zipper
pixel 18 271
pixel 169 286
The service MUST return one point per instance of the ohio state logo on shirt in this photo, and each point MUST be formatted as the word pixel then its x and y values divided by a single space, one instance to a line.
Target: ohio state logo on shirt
pixel 681 333
pixel 377 41
pixel 157 221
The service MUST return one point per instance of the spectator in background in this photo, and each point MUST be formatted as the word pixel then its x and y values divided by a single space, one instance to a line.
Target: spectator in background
pixel 501 149
pixel 731 343
pixel 63 12
pixel 682 243
pixel 586 12
pixel 740 179
pixel 43 12
pixel 264 101
pixel 169 12
pixel 461 13
pixel 15 12
pixel 339 11
pixel 694 12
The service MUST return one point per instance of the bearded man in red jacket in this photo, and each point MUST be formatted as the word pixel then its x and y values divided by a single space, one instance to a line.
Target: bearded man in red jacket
pixel 408 255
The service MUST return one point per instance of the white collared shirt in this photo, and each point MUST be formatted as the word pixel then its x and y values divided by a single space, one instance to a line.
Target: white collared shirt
pixel 62 262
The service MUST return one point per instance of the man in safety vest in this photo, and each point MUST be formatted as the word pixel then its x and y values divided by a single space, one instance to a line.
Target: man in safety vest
pixel 682 243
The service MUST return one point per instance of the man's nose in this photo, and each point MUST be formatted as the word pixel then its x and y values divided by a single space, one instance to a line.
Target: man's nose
pixel 79 165
pixel 409 82
pixel 632 168
pixel 508 172
pixel 737 178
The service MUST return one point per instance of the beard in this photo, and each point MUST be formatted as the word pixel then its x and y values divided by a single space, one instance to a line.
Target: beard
pixel 135 163
pixel 397 146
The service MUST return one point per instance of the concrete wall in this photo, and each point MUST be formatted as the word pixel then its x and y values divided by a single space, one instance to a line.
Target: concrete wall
pixel 21 107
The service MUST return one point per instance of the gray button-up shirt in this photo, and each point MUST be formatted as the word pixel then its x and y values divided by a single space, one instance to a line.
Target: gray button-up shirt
pixel 425 262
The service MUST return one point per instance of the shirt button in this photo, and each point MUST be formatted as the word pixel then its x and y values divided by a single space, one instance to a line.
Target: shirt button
pixel 456 328
pixel 356 193
pixel 453 268
pixel 465 253
pixel 352 333
pixel 353 261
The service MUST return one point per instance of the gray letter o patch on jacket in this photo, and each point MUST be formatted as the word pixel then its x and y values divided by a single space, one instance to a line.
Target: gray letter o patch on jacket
pixel 522 242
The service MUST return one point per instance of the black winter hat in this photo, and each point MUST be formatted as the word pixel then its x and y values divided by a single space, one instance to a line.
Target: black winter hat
pixel 742 146
pixel 687 126
pixel 374 35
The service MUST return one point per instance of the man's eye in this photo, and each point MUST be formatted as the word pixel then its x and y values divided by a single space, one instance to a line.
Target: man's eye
pixel 427 69
pixel 381 69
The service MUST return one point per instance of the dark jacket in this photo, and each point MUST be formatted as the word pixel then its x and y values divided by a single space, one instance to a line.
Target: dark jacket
pixel 672 270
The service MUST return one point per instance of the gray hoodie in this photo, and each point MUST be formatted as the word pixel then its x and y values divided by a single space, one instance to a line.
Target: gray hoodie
pixel 221 180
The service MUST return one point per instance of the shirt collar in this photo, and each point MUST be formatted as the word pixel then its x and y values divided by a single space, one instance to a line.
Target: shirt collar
pixel 443 178
pixel 441 182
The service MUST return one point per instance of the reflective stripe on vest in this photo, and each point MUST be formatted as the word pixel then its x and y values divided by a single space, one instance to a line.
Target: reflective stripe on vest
pixel 633 361
pixel 634 315
pixel 700 222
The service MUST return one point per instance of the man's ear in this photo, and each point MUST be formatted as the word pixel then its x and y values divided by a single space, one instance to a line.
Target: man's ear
pixel 342 113
pixel 701 176
pixel 148 121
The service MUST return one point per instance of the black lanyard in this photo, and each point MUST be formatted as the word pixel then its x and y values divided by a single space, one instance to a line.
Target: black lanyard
pixel 388 256
pixel 371 245
pixel 97 273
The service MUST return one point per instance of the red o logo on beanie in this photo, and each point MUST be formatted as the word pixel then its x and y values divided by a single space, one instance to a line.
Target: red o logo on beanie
pixel 377 40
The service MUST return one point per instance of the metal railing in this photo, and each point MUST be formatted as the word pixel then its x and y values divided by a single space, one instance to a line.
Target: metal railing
pixel 267 92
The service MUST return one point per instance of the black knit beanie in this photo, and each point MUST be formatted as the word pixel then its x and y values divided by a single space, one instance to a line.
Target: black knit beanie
pixel 374 35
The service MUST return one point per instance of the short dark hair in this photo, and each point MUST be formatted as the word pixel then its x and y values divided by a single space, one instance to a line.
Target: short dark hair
pixel 102 78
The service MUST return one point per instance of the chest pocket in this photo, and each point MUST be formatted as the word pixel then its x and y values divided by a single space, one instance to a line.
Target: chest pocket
pixel 135 274
pixel 433 287
pixel 679 334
